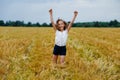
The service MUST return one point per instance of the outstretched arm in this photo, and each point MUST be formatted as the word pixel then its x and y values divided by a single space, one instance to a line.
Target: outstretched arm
pixel 70 24
pixel 51 19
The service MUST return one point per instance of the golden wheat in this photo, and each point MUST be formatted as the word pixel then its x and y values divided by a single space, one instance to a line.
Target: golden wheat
pixel 92 54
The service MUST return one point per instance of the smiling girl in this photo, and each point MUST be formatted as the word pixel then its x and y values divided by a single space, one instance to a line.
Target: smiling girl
pixel 61 34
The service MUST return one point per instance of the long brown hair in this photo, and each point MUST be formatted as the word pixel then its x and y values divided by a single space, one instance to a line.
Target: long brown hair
pixel 65 27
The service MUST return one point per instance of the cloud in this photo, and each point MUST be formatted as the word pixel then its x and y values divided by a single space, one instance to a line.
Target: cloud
pixel 37 10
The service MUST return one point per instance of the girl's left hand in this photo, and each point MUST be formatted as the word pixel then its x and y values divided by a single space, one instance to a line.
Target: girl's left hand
pixel 75 13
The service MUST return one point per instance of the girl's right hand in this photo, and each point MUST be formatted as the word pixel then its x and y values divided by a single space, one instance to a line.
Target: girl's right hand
pixel 50 11
pixel 75 13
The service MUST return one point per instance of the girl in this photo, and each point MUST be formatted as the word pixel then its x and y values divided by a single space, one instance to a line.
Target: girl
pixel 61 30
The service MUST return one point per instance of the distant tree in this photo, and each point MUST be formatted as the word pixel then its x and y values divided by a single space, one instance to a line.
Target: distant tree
pixel 96 24
pixel 38 24
pixel 19 23
pixel 113 23
pixel 10 23
pixel 7 23
pixel 45 25
pixel 50 24
pixel 105 24
pixel 29 24
pixel 2 23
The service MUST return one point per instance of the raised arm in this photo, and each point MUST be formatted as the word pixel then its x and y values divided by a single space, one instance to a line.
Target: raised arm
pixel 70 24
pixel 51 19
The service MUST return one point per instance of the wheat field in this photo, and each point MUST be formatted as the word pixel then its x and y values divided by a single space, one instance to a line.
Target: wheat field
pixel 92 54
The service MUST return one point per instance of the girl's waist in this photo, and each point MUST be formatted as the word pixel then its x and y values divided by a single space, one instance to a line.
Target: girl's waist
pixel 60 45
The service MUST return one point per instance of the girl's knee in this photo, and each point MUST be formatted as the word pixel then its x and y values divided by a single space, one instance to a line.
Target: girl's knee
pixel 62 59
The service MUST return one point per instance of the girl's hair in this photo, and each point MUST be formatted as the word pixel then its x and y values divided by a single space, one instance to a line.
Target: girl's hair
pixel 65 27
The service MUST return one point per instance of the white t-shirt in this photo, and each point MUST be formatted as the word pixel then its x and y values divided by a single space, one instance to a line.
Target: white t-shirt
pixel 61 37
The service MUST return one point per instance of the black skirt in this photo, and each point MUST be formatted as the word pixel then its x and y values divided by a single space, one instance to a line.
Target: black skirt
pixel 59 50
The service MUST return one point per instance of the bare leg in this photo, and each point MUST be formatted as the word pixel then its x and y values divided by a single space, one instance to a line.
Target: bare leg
pixel 55 57
pixel 62 59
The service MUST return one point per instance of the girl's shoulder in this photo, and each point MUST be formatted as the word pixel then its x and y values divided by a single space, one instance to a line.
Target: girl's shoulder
pixel 66 30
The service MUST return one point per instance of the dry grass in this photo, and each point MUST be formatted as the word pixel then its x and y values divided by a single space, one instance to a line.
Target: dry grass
pixel 92 54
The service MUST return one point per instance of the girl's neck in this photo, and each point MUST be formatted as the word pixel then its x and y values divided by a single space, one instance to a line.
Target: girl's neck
pixel 61 30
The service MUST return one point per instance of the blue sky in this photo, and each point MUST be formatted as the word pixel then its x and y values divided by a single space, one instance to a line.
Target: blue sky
pixel 37 10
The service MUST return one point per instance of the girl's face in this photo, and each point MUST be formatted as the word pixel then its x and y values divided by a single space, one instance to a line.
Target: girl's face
pixel 61 25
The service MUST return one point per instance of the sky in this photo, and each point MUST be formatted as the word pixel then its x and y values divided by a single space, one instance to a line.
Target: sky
pixel 37 10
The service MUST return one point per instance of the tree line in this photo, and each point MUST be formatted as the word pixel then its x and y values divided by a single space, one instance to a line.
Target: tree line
pixel 18 23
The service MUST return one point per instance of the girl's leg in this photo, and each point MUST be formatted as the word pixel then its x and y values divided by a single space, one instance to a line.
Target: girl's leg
pixel 62 59
pixel 55 57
